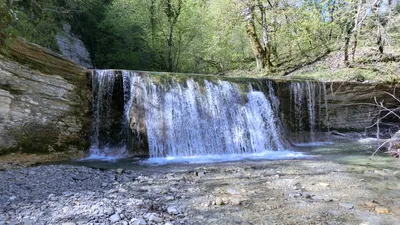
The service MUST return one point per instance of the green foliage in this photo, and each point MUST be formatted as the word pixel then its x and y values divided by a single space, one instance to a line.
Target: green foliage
pixel 200 36
pixel 5 17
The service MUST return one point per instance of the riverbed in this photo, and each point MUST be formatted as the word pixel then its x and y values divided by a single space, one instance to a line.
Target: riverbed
pixel 328 187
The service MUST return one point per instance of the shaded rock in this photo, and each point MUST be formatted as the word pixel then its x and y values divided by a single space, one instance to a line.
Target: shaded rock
pixel 138 221
pixel 155 218
pixel 120 171
pixel 172 210
pixel 219 201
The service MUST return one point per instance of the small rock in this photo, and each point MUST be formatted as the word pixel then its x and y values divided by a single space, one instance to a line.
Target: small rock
pixel 233 191
pixel 397 174
pixel 307 195
pixel 236 201
pixel 200 173
pixel 120 171
pixel 12 198
pixel 124 223
pixel 295 194
pixel 77 177
pixel 324 184
pixel 155 218
pixel 219 201
pixel 169 198
pixel 381 210
pixel 172 210
pixel 115 218
pixel 138 221
pixel 346 205
pixel 168 223
pixel 370 204
pixel 68 223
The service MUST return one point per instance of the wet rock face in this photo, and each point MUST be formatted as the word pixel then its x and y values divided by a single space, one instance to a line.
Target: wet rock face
pixel 42 112
pixel 73 48
pixel 339 106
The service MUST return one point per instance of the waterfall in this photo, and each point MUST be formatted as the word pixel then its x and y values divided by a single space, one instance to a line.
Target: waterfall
pixel 102 142
pixel 187 118
pixel 307 101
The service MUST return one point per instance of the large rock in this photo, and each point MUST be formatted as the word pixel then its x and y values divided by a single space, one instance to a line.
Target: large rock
pixel 72 47
pixel 44 101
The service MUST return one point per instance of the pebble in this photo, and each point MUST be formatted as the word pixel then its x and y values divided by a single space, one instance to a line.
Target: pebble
pixel 324 184
pixel 120 171
pixel 138 221
pixel 370 204
pixel 172 210
pixel 236 201
pixel 381 210
pixel 115 218
pixel 346 205
pixel 295 194
pixel 68 223
pixel 233 191
pixel 219 201
pixel 155 218
pixel 12 198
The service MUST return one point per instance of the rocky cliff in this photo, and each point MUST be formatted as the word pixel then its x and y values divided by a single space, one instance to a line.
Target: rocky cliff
pixel 44 101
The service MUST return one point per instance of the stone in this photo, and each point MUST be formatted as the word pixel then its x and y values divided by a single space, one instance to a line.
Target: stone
pixel 120 171
pixel 236 201
pixel 72 47
pixel 232 191
pixel 219 201
pixel 295 194
pixel 324 184
pixel 138 221
pixel 381 210
pixel 371 204
pixel 155 218
pixel 114 218
pixel 68 223
pixel 12 198
pixel 172 210
pixel 346 205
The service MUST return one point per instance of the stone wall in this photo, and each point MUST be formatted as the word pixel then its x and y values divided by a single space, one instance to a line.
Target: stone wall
pixel 44 101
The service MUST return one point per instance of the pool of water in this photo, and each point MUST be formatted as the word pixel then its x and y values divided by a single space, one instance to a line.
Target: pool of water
pixel 352 152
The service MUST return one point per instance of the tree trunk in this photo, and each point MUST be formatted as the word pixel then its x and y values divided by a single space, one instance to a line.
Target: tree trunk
pixel 379 37
pixel 356 30
pixel 172 11
pixel 348 30
pixel 258 50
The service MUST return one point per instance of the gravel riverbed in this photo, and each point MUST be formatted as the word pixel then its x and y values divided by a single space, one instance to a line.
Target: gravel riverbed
pixel 247 192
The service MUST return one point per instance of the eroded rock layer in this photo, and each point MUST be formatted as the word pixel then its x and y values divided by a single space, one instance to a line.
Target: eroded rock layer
pixel 44 101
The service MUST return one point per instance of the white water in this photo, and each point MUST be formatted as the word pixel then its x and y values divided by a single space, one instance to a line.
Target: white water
pixel 216 118
pixel 267 155
pixel 193 122
pixel 310 98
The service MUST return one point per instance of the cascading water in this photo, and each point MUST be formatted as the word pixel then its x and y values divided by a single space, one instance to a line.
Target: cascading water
pixel 190 119
pixel 182 119
pixel 307 103
pixel 103 144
